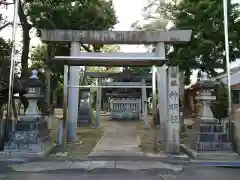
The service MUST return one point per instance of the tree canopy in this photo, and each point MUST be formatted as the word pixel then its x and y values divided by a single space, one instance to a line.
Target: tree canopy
pixel 5 45
pixel 206 50
pixel 63 14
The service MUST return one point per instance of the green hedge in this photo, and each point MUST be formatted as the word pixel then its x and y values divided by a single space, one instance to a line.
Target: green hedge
pixel 220 105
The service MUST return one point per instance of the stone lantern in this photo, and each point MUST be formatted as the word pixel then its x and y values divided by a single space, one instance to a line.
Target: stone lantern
pixel 205 99
pixel 85 113
pixel 207 134
pixel 34 88
pixel 31 135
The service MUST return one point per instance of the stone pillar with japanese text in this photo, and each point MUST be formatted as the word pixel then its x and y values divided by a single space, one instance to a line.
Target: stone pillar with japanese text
pixel 172 142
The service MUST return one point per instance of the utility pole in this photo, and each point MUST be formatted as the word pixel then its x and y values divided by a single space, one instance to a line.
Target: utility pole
pixel 226 5
pixel 12 65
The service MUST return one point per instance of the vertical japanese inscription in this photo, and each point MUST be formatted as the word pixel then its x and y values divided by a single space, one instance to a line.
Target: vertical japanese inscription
pixel 173 108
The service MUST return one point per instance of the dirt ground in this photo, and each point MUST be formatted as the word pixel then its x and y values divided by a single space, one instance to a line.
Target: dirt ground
pixel 87 139
pixel 145 137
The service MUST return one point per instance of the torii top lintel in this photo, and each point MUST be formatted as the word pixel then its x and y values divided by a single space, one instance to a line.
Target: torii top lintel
pixel 116 37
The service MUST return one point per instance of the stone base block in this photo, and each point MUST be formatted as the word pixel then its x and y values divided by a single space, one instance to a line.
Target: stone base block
pixel 216 128
pixel 30 138
pixel 211 137
pixel 121 116
pixel 208 137
pixel 213 146
pixel 209 155
pixel 44 149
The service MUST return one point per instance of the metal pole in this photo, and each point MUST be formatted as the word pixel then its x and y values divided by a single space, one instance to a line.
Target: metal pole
pixel 154 106
pixel 65 105
pixel 12 61
pixel 225 15
pixel 98 109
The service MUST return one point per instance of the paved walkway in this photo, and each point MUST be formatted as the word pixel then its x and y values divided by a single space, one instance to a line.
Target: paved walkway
pixel 118 140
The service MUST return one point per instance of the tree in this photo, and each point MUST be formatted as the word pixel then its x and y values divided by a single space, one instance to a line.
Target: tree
pixel 220 105
pixel 38 58
pixel 110 48
pixel 39 62
pixel 150 22
pixel 5 46
pixel 205 19
pixel 4 50
pixel 64 14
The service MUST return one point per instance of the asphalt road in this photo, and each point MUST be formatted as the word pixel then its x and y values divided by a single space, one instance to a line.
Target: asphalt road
pixel 188 173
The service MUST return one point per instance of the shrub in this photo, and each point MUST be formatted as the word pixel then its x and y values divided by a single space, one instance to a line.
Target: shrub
pixel 220 105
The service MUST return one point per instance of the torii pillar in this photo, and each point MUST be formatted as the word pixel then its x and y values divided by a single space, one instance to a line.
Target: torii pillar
pixel 157 38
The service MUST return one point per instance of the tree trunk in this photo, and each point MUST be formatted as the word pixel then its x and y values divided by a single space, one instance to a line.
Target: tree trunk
pixel 26 39
pixel 14 109
pixel 83 79
pixel 25 52
pixel 48 76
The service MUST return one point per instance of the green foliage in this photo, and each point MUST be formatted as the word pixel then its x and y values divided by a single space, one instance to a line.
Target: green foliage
pixel 39 62
pixel 220 105
pixel 65 14
pixel 142 70
pixel 39 58
pixel 205 19
pixel 5 46
pixel 206 48
pixel 110 48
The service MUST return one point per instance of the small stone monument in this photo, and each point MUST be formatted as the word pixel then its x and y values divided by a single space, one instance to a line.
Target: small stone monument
pixel 85 113
pixel 207 134
pixel 31 136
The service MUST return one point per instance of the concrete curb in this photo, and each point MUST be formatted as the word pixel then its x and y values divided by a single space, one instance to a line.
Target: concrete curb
pixel 173 161
pixel 233 164
pixel 210 156
pixel 93 165
pixel 140 158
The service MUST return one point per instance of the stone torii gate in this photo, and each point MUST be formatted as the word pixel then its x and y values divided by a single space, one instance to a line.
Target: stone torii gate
pixel 169 119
